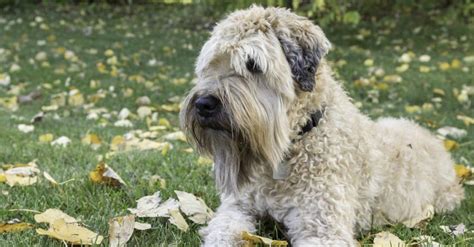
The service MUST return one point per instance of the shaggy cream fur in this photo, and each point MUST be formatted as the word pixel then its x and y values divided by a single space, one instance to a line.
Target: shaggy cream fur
pixel 347 174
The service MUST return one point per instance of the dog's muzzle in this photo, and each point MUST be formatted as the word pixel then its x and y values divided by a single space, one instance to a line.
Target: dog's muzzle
pixel 209 112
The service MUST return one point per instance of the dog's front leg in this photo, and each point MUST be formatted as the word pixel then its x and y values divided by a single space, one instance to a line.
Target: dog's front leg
pixel 227 225
pixel 321 220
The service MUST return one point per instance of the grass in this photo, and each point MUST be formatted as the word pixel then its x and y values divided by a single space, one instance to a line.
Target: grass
pixel 172 36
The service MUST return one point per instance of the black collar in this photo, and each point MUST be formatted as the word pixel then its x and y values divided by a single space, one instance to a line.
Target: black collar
pixel 313 121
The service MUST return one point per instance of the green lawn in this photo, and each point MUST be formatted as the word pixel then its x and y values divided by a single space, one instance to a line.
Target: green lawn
pixel 155 49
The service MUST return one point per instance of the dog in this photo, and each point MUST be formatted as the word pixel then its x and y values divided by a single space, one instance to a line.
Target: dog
pixel 287 141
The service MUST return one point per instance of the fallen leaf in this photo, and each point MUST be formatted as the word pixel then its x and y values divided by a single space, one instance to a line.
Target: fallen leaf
pixel 455 230
pixel 21 174
pixel 149 206
pixel 176 218
pixel 452 132
pixel 467 120
pixel 62 141
pixel 14 226
pixel 53 214
pixel 462 171
pixel 144 111
pixel 118 142
pixel 426 241
pixel 178 135
pixel 386 239
pixel 75 98
pixel 450 145
pixel 424 58
pixel 253 240
pixel 46 138
pixel 103 174
pixel 123 123
pixel 26 128
pixel 426 215
pixel 142 226
pixel 71 233
pixel 121 230
pixel 93 140
pixel 49 178
pixel 194 207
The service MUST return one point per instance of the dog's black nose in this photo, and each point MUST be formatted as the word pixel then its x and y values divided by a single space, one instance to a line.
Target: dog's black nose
pixel 207 105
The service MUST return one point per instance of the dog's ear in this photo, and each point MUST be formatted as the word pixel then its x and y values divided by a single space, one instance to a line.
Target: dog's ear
pixel 304 45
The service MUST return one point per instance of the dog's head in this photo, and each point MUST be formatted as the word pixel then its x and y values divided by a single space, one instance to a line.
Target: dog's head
pixel 249 73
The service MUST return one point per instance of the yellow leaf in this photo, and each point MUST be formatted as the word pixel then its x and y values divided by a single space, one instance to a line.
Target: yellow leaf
pixel 3 178
pixel 402 68
pixel 46 138
pixel 462 171
pixel 91 139
pixel 369 62
pixel 456 63
pixel 14 227
pixel 103 174
pixel 170 107
pixel 386 239
pixel 194 207
pixel 178 135
pixel 75 98
pixel 450 144
pixel 444 66
pixel 426 215
pixel 118 142
pixel 71 233
pixel 9 103
pixel 467 120
pixel 176 218
pixel 49 178
pixel 253 240
pixel 412 109
pixel 164 122
pixel 166 147
pixel 53 214
pixel 424 69
pixel 439 91
pixel 204 161
pixel 121 230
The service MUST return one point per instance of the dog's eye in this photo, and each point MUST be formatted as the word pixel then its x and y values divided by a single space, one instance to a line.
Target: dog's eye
pixel 252 66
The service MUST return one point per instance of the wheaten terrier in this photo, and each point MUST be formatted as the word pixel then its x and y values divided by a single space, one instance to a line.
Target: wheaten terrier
pixel 288 142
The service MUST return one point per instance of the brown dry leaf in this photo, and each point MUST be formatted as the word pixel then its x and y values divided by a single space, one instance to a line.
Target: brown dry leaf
pixel 450 145
pixel 253 240
pixel 103 174
pixel 425 216
pixel 121 230
pixel 177 219
pixel 386 239
pixel 14 226
pixel 71 233
pixel 194 207
pixel 93 140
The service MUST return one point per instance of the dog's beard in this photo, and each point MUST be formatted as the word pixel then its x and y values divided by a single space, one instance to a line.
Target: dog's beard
pixel 252 129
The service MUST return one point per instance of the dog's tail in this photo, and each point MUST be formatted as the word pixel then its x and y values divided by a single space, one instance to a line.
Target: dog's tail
pixel 450 198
